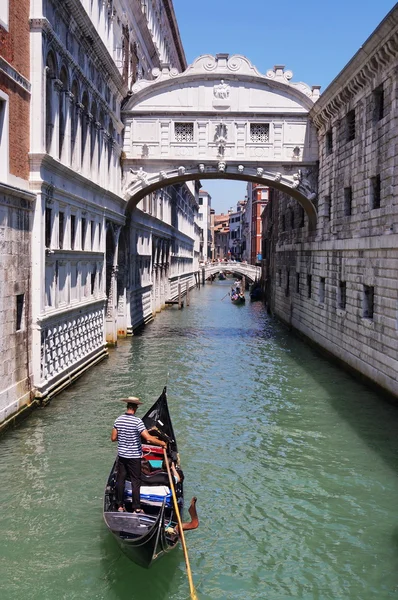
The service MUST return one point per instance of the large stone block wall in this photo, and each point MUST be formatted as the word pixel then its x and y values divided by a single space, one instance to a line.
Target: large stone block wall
pixel 367 345
pixel 15 351
pixel 343 277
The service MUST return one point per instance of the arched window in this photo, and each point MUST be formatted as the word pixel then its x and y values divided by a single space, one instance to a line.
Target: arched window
pixel 84 125
pixel 110 144
pixel 93 131
pixel 75 92
pixel 62 108
pixel 102 122
pixel 50 75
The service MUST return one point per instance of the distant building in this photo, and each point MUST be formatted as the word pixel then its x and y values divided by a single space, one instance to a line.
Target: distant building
pixel 236 241
pixel 221 236
pixel 258 196
pixel 205 224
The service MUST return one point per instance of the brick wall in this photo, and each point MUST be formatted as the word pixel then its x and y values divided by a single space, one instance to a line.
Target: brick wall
pixel 14 48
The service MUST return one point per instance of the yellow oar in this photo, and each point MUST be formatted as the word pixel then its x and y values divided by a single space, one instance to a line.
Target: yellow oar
pixel 180 530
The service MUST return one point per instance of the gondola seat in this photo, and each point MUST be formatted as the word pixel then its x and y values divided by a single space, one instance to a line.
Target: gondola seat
pixel 156 478
pixel 150 495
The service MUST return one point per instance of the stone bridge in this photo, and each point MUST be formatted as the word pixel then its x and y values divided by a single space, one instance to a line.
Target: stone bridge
pixel 221 119
pixel 250 272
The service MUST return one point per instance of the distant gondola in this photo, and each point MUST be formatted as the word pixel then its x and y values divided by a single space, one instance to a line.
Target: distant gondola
pixel 145 537
pixel 255 292
pixel 237 295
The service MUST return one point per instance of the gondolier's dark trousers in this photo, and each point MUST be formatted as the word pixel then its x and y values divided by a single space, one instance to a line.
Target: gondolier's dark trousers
pixel 128 468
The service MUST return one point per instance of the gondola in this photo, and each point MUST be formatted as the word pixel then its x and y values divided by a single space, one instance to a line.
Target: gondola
pixel 237 296
pixel 145 537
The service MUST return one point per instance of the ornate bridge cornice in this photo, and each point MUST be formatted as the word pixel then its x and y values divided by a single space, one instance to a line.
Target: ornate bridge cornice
pixel 234 67
pixel 299 183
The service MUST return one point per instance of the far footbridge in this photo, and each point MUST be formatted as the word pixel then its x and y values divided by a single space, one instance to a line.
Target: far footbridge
pixel 250 272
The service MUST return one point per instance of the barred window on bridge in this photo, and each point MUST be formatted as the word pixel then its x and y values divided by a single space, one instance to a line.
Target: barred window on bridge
pixel 259 132
pixel 183 132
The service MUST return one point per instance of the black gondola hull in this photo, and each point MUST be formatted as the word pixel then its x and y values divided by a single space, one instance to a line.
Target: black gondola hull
pixel 143 537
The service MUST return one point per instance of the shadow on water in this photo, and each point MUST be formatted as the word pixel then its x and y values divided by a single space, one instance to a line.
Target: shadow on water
pixel 128 581
pixel 370 414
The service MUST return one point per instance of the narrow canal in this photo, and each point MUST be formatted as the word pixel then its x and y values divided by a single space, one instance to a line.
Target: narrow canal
pixel 295 466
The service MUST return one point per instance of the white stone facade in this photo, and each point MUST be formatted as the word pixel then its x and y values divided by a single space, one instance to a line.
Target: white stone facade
pixel 199 124
pixel 85 58
pixel 339 285
pixel 204 221
pixel 160 252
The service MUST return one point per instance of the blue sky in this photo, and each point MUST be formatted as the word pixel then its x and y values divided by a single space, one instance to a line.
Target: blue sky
pixel 314 39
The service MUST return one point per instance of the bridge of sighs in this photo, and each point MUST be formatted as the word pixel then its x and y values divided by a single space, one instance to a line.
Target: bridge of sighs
pixel 221 118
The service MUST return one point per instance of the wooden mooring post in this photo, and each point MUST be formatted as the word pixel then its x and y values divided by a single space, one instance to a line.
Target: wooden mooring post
pixel 187 293
pixel 180 305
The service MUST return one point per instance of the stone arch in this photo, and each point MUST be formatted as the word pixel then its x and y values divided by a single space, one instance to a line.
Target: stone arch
pixel 297 185
pixel 221 118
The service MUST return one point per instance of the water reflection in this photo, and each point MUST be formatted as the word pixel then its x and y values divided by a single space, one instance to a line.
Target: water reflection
pixel 294 464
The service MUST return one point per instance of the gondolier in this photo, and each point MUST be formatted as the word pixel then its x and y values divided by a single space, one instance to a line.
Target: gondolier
pixel 127 431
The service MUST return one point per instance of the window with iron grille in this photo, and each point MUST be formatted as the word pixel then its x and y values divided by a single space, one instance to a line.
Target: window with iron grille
pixel 328 207
pixel 309 286
pixel 61 229
pixel 375 192
pixel 287 288
pixel 259 132
pixel 368 301
pixel 183 132
pixel 342 295
pixel 378 103
pixel 322 285
pixel 329 142
pixel 19 315
pixel 347 201
pixel 350 125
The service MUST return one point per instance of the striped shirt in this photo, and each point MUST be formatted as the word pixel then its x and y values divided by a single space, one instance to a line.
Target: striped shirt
pixel 129 429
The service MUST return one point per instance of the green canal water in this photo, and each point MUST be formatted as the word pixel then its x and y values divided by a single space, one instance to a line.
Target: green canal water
pixel 294 463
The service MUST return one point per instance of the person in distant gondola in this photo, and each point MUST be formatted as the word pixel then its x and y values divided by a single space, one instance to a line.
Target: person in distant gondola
pixel 128 431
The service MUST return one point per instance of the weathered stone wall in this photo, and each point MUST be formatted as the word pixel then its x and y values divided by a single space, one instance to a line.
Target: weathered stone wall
pixel 15 313
pixel 339 285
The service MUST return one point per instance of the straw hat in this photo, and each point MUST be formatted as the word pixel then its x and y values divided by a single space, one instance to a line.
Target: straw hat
pixel 132 400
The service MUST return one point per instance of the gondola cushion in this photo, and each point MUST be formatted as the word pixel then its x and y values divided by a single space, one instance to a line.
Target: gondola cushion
pixel 152 495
